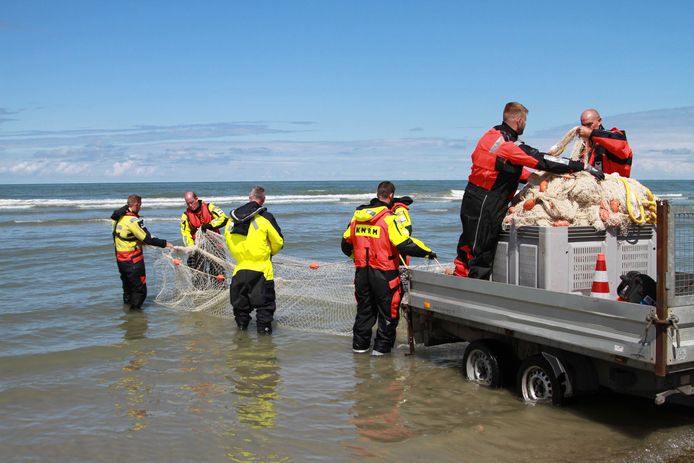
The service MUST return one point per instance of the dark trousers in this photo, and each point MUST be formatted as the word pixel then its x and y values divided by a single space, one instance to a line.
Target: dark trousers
pixel 481 214
pixel 250 290
pixel 134 281
pixel 208 270
pixel 378 294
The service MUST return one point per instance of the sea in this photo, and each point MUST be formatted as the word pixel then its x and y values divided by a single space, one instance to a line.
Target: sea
pixel 83 379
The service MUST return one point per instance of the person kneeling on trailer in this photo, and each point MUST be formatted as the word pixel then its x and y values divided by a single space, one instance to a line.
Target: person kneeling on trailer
pixel 376 240
pixel 253 237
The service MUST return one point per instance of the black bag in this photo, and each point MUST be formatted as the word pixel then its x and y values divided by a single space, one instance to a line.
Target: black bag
pixel 638 288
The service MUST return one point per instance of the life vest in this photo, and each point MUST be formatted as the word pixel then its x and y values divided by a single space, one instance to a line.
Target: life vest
pixel 372 246
pixel 492 172
pixel 611 152
pixel 129 248
pixel 200 218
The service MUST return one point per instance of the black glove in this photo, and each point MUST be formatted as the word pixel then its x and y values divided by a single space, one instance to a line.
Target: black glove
pixel 576 166
pixel 206 227
pixel 432 255
pixel 595 172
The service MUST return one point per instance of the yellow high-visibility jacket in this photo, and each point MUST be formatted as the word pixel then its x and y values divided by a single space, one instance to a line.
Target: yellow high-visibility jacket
pixel 188 230
pixel 129 234
pixel 253 237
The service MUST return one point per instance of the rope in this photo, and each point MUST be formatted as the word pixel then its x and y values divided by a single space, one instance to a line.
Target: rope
pixel 650 202
pixel 559 148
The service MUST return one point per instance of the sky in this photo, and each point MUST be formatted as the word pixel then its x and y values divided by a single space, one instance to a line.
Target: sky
pixel 134 91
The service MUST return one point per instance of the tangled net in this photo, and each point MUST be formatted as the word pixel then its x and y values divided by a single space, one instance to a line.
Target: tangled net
pixel 550 200
pixel 310 296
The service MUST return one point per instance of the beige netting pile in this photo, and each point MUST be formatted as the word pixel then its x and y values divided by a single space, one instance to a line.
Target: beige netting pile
pixel 550 200
pixel 310 295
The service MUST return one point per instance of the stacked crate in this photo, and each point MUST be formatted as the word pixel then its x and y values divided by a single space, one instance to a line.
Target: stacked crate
pixel 563 258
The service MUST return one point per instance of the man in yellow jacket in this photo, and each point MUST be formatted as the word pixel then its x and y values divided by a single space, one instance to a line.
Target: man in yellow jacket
pixel 253 237
pixel 129 235
pixel 376 240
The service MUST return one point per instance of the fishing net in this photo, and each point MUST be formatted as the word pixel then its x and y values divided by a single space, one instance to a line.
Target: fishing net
pixel 310 296
pixel 550 200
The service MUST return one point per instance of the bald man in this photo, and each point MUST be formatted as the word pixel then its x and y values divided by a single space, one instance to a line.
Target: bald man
pixel 609 149
pixel 201 216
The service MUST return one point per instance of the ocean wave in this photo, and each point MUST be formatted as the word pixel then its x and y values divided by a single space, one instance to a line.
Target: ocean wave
pixel 175 203
pixel 162 203
pixel 456 194
pixel 43 222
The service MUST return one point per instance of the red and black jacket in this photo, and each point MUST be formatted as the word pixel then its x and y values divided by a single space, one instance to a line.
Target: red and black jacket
pixel 610 151
pixel 499 158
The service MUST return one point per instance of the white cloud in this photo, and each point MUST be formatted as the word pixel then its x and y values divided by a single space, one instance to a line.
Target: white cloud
pixel 24 167
pixel 130 167
pixel 662 150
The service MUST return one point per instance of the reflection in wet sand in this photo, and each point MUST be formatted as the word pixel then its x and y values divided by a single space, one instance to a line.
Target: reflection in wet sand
pixel 254 375
pixel 379 394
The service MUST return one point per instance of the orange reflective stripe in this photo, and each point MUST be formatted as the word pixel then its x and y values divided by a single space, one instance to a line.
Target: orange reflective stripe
pixel 395 303
pixel 135 256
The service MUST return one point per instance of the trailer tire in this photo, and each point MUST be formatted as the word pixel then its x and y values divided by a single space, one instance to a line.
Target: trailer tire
pixel 481 365
pixel 537 382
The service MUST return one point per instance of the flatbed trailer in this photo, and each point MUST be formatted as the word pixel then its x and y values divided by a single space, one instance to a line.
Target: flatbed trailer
pixel 556 345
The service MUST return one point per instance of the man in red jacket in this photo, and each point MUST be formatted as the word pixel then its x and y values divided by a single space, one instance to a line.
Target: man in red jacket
pixel 609 149
pixel 499 163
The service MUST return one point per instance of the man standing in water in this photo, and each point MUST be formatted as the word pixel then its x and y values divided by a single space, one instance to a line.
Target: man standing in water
pixel 253 237
pixel 201 216
pixel 497 167
pixel 609 149
pixel 129 235
pixel 376 241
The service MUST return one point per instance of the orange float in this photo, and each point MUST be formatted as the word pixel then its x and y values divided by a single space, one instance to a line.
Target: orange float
pixel 543 185
pixel 614 205
pixel 313 265
pixel 529 204
pixel 177 261
pixel 220 277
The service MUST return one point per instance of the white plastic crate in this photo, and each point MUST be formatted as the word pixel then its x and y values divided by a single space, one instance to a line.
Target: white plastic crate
pixel 563 258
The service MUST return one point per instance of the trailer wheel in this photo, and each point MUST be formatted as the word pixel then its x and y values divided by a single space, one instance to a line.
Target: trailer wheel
pixel 482 365
pixel 537 382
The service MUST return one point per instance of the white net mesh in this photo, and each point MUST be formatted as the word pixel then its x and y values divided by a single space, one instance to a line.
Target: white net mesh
pixel 550 200
pixel 310 296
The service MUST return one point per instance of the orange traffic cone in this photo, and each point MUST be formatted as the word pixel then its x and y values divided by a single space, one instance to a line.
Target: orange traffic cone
pixel 601 285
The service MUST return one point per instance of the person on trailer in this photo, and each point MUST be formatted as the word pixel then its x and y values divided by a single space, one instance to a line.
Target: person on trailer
pixel 498 165
pixel 376 240
pixel 609 150
pixel 253 237
pixel 129 236
pixel 203 217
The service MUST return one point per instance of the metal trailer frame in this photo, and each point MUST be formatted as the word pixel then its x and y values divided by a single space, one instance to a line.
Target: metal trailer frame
pixel 589 342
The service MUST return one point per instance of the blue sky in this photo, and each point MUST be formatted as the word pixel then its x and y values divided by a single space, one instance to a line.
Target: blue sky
pixel 301 90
